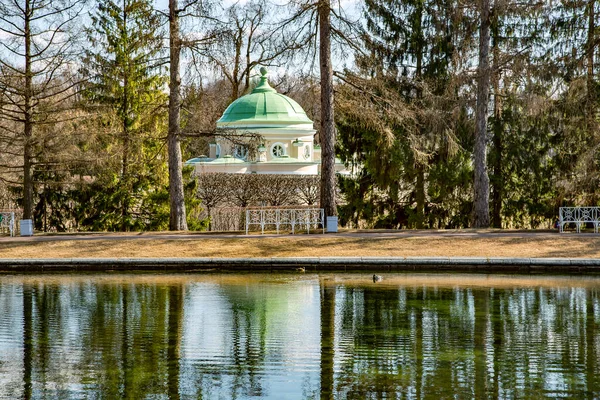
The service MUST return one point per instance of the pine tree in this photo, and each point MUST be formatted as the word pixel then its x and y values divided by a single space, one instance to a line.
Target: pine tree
pixel 125 80
pixel 517 88
pixel 412 45
pixel 572 60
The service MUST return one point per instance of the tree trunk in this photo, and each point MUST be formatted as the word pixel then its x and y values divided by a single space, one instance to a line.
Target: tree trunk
pixel 327 131
pixel 481 311
pixel 420 196
pixel 28 123
pixel 125 156
pixel 481 207
pixel 591 46
pixel 177 218
pixel 497 180
pixel 420 187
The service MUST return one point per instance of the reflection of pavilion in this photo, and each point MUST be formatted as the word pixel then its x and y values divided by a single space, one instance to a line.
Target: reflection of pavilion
pixel 287 145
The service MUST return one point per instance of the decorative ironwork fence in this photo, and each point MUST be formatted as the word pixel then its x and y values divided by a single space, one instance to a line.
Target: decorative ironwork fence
pixel 7 222
pixel 281 217
pixel 578 216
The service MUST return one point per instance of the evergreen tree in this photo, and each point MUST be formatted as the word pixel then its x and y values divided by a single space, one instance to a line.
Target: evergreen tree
pixel 571 61
pixel 518 89
pixel 412 48
pixel 127 84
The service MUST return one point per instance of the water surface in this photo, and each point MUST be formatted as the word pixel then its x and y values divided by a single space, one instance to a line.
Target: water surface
pixel 299 336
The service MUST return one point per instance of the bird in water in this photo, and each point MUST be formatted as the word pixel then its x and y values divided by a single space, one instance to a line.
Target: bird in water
pixel 377 278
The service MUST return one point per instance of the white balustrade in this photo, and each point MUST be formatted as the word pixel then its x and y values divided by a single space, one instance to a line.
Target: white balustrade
pixel 578 216
pixel 281 217
pixel 7 222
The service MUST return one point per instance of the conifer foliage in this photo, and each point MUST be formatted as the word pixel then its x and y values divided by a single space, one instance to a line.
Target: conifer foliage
pixel 127 85
pixel 449 113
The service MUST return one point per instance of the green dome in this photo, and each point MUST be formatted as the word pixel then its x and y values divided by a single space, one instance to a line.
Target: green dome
pixel 264 107
pixel 195 160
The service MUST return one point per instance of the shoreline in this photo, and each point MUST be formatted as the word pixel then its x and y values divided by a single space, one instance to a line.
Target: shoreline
pixel 308 264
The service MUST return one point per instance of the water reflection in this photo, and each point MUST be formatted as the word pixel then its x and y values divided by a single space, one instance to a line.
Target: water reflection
pixel 299 336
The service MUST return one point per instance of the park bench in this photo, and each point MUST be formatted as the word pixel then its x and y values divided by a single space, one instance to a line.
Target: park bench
pixel 578 216
pixel 282 217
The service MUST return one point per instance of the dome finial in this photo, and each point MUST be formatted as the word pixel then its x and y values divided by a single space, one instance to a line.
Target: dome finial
pixel 263 85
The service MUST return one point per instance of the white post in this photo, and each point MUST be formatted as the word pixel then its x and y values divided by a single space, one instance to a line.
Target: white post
pixel 322 212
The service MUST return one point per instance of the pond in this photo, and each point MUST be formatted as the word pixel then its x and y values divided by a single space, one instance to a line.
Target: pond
pixel 299 336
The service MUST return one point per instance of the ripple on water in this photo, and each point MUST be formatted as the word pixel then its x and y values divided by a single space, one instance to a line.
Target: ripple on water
pixel 263 338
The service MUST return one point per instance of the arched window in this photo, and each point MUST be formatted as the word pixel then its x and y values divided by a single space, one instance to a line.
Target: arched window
pixel 240 151
pixel 277 150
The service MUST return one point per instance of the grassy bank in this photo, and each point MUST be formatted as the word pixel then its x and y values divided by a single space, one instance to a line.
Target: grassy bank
pixel 398 244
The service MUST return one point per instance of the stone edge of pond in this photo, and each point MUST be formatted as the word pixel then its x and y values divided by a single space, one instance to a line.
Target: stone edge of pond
pixel 312 264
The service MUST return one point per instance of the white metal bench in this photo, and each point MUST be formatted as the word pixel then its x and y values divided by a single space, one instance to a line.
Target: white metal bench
pixel 7 222
pixel 281 217
pixel 578 216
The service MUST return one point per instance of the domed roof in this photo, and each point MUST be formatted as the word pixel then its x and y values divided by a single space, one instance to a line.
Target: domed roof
pixel 263 108
pixel 198 159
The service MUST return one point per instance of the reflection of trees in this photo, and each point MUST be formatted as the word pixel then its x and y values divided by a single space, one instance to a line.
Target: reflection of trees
pixel 175 318
pixel 592 352
pixel 123 340
pixel 381 343
pixel 423 342
pixel 480 338
pixel 27 341
pixel 247 343
pixel 119 340
pixel 497 340
pixel 262 347
pixel 41 334
pixel 327 338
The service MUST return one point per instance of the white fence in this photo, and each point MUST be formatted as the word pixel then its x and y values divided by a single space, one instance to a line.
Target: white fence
pixel 282 217
pixel 578 216
pixel 7 222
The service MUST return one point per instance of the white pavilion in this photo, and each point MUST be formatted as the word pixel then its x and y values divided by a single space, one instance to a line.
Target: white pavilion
pixel 287 133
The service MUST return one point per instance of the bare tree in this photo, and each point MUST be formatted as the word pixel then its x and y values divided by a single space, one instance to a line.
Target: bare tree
pixel 36 82
pixel 212 189
pixel 278 190
pixel 244 189
pixel 308 189
pixel 245 41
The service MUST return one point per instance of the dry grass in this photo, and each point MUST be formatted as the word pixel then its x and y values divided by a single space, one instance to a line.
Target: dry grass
pixel 392 244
